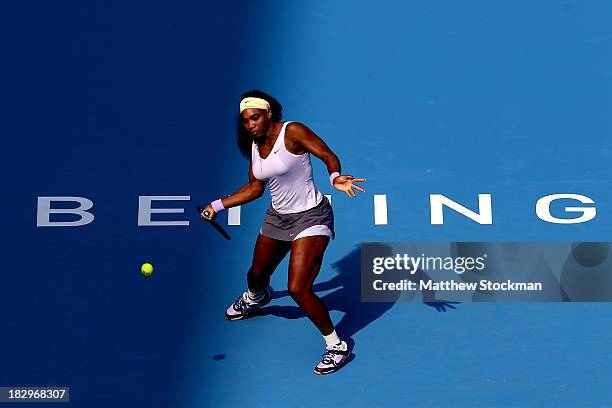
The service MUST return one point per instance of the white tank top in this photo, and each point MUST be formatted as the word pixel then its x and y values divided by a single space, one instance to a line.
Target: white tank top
pixel 289 177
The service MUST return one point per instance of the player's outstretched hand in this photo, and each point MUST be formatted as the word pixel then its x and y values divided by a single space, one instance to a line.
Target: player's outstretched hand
pixel 208 214
pixel 345 183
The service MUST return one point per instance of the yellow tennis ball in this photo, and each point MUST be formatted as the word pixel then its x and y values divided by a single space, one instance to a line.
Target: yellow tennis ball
pixel 147 269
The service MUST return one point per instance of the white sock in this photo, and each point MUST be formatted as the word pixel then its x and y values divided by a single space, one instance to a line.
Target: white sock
pixel 256 296
pixel 332 338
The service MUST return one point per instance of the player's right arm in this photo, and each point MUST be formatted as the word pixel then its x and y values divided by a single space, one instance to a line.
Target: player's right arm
pixel 245 194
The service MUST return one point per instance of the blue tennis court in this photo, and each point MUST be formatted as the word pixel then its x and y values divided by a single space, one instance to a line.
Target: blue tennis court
pixel 113 101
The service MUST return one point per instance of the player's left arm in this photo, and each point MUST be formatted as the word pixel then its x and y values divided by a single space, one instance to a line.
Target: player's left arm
pixel 303 140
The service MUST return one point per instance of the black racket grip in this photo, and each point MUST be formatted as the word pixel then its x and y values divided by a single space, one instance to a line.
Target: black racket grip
pixel 206 214
pixel 213 223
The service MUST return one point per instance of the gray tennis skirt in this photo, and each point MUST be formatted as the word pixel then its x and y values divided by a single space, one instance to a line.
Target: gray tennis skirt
pixel 285 227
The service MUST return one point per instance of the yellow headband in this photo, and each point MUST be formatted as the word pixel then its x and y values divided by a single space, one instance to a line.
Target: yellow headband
pixel 254 103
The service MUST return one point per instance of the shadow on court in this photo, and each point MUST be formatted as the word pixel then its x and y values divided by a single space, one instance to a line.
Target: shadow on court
pixel 346 297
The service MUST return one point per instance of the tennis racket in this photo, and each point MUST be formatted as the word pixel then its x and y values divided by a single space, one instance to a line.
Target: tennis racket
pixel 213 222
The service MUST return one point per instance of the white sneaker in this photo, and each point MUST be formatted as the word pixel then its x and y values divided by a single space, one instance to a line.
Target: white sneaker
pixel 243 306
pixel 333 359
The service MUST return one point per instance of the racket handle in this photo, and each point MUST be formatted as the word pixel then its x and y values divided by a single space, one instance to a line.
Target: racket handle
pixel 206 213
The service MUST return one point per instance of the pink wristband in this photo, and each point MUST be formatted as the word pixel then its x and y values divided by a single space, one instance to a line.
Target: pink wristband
pixel 332 177
pixel 217 205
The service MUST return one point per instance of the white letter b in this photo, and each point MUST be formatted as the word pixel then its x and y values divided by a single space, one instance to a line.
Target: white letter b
pixel 44 210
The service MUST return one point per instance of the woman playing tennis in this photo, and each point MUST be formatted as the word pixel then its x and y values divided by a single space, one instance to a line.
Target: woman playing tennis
pixel 300 219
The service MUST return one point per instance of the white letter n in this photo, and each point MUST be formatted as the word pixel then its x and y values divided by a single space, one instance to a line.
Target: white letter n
pixel 437 201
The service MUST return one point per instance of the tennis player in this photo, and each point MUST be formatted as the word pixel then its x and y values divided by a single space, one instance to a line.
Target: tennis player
pixel 299 220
